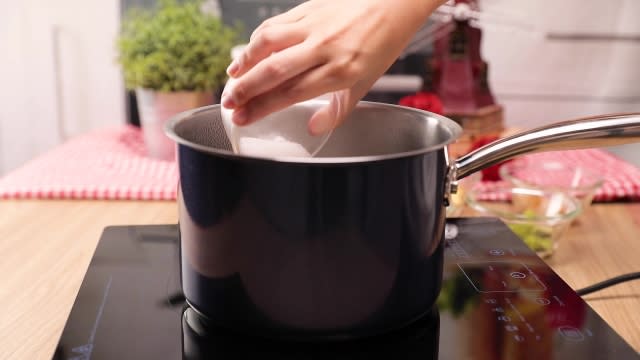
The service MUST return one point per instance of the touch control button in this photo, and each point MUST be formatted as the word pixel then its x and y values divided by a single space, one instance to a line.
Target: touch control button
pixel 450 231
pixel 571 333
pixel 518 275
pixel 543 301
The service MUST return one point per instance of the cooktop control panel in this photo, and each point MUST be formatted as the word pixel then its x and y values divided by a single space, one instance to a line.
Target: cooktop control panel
pixel 498 301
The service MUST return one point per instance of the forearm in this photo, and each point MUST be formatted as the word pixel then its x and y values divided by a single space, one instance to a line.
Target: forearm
pixel 409 15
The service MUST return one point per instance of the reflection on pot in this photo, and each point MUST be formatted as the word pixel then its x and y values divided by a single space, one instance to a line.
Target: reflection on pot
pixel 512 316
pixel 200 340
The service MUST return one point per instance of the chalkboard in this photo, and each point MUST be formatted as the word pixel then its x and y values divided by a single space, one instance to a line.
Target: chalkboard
pixel 251 13
pixel 125 5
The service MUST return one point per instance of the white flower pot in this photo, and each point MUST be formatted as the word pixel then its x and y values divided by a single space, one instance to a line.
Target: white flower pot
pixel 155 108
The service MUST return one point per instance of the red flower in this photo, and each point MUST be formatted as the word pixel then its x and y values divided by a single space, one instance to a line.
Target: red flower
pixel 423 100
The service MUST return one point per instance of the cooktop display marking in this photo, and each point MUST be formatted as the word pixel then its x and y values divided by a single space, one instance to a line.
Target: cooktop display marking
pixel 508 276
pixel 85 350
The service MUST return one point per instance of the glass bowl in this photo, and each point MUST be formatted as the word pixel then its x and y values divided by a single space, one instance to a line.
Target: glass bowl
pixel 539 217
pixel 578 181
pixel 281 134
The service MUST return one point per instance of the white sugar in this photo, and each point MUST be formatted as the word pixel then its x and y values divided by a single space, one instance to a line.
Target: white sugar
pixel 276 147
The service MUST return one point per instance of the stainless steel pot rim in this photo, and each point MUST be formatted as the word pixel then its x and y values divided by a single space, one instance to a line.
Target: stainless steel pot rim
pixel 447 124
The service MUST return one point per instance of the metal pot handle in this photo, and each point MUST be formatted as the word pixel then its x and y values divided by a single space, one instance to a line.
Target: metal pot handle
pixel 590 132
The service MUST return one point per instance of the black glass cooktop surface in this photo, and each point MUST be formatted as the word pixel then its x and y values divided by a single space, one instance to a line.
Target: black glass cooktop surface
pixel 499 301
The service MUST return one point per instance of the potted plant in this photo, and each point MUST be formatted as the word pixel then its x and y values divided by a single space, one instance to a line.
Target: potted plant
pixel 174 56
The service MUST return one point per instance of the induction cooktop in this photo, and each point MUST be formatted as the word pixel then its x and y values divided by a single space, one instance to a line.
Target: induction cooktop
pixel 498 301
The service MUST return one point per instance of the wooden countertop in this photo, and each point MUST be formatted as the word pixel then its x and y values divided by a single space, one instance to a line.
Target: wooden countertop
pixel 46 247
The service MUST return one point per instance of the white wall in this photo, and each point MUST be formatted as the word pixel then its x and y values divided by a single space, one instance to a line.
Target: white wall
pixel 540 81
pixel 537 80
pixel 91 93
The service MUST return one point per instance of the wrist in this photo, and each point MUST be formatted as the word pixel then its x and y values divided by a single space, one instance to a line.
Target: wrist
pixel 409 15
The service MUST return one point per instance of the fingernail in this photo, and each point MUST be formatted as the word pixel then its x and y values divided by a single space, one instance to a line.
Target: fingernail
pixel 233 68
pixel 321 125
pixel 227 101
pixel 240 116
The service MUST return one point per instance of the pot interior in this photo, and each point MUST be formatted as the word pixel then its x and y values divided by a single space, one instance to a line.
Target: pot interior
pixel 373 131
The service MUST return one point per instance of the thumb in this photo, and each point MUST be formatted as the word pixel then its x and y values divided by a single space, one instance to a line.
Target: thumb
pixel 340 106
pixel 328 117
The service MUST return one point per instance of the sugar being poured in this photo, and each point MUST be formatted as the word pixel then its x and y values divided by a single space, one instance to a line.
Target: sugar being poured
pixel 276 147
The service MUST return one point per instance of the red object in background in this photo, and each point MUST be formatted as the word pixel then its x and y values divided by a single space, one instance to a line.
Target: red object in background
pixel 492 172
pixel 573 310
pixel 460 75
pixel 423 100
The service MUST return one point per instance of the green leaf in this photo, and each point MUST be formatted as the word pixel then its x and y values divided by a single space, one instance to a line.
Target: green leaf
pixel 175 47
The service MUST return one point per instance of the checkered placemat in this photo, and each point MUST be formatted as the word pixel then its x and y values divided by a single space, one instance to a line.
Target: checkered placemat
pixel 106 164
pixel 112 164
pixel 622 180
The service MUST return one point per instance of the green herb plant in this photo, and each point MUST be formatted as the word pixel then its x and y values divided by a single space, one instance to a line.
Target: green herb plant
pixel 175 47
pixel 457 296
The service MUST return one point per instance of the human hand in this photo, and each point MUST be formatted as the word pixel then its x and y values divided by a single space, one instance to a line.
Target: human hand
pixel 320 47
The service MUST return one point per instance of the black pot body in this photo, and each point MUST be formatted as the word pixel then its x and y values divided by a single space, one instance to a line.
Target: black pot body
pixel 311 250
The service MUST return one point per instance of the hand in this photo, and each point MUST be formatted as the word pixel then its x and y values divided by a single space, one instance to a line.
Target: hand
pixel 320 47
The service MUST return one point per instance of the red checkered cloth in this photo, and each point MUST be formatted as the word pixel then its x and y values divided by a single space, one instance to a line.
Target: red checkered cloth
pixel 112 164
pixel 621 179
pixel 106 164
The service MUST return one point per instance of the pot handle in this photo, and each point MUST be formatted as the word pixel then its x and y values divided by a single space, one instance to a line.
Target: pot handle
pixel 590 132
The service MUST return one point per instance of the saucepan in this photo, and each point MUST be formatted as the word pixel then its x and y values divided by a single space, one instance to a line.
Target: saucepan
pixel 346 244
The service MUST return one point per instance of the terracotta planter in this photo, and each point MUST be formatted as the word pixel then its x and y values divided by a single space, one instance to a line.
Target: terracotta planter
pixel 156 108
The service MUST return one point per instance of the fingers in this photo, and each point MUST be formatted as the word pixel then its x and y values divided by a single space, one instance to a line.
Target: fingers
pixel 295 90
pixel 266 42
pixel 309 51
pixel 295 14
pixel 309 81
pixel 274 34
pixel 271 73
